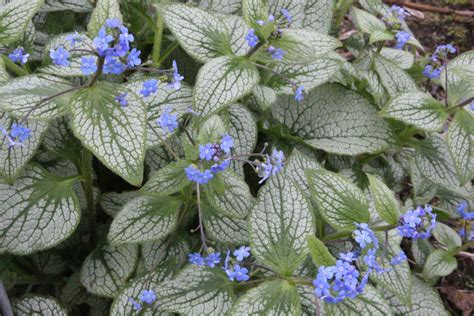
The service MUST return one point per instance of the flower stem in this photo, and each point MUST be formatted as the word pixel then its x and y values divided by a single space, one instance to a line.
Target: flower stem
pixel 155 55
pixel 86 171
pixel 463 247
pixel 200 216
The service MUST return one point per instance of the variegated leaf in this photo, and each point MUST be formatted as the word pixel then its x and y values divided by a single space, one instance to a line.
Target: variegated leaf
pixel 166 256
pixel 371 302
pixel 38 305
pixel 439 263
pixel 14 18
pixel 404 59
pixel 104 9
pixel 113 202
pixel 460 140
pixel 386 204
pixel 395 80
pixel 168 180
pixel 62 5
pixel 225 229
pixel 221 6
pixel 447 236
pixel 318 15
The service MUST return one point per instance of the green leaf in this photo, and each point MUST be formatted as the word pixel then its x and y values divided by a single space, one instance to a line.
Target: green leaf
pixel 417 108
pixel 115 134
pixel 211 130
pixel 104 9
pixel 232 197
pixel 318 15
pixel 4 76
pixel 201 34
pixel 107 269
pixel 439 263
pixel 72 70
pixel 225 229
pixel 325 122
pixel 222 6
pixel 254 10
pixel 294 7
pixel 14 18
pixel 402 58
pixel 447 236
pixel 263 98
pixel 166 256
pixel 145 218
pixel 371 302
pixel 307 74
pixel 270 298
pixel 305 45
pixel 279 224
pixel 112 202
pixel 386 204
pixel 168 180
pixel 310 303
pixel 72 5
pixel 380 35
pixel 197 291
pixel 339 201
pixel 366 22
pixel 13 159
pixel 393 78
pixel 297 164
pixel 460 142
pixel 222 81
pixel 38 212
pixel 460 78
pixel 38 305
pixel 420 249
pixel 426 301
pixel 319 252
pixel 158 157
pixel 21 96
pixel 237 31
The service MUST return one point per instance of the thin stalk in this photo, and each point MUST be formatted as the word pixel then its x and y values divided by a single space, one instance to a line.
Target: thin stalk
pixel 460 105
pixel 343 234
pixel 167 52
pixel 446 80
pixel 17 70
pixel 86 171
pixel 98 72
pixel 254 49
pixel 155 55
pixel 463 247
pixel 200 216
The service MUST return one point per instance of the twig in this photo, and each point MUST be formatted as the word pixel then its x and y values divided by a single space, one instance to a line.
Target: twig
pixel 429 8
pixel 5 305
pixel 200 216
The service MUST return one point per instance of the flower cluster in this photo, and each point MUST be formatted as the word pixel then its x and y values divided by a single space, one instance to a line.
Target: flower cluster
pixel 437 61
pixel 462 207
pixel 402 38
pixel 19 56
pixel 217 154
pixel 395 16
pixel 236 272
pixel 17 135
pixel 335 283
pixel 416 224
pixel 271 165
pixel 462 233
pixel 146 296
pixel 167 121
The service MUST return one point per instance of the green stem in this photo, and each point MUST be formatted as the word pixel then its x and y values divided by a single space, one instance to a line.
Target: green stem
pixel 460 105
pixel 377 52
pixel 300 280
pixel 167 52
pixel 343 234
pixel 17 70
pixel 86 171
pixel 463 247
pixel 155 55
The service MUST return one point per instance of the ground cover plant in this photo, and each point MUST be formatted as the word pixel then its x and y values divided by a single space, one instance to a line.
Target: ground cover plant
pixel 229 158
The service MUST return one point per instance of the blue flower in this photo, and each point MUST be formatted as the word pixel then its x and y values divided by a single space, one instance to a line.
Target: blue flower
pixel 277 53
pixel 411 223
pixel 402 39
pixel 327 272
pixel 213 259
pixel 147 296
pixel 201 177
pixel 241 253
pixel 322 286
pixel 371 260
pixel 177 78
pixel 60 56
pixel 133 58
pixel 112 65
pixel 120 49
pixel 125 36
pixel 351 277
pixel 349 257
pixel 18 56
pixel 238 273
pixel 122 99
pixel 411 218
pixel 136 306
pixel 20 132
pixel 286 14
pixel 73 39
pixel 207 151
pixel 216 168
pixel 149 87
pixel 432 72
pixel 395 15
pixel 362 237
pixel 299 96
pixel 251 38
pixel 167 121
pixel 442 51
pixel 271 165
pixel 196 258
pixel 401 257
pixel 469 216
pixel 102 41
pixel 227 142
pixel 113 23
pixel 88 65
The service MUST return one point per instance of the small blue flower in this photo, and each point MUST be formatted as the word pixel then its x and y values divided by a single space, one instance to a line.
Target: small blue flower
pixel 327 272
pixel 149 87
pixel 147 296
pixel 251 38
pixel 411 218
pixel 18 56
pixel 200 177
pixel 442 51
pixel 207 151
pixel 277 53
pixel 88 65
pixel 286 14
pixel 120 49
pixel 462 207
pixel 402 39
pixel 395 15
pixel 112 65
pixel 213 259
pixel 241 253
pixel 102 41
pixel 322 286
pixel 239 274
pixel 20 132
pixel 398 259
pixel 136 306
pixel 133 58
pixel 299 96
pixel 125 36
pixel 362 237
pixel 177 78
pixel 271 165
pixel 73 39
pixel 431 72
pixel 216 168
pixel 167 121
pixel 196 258
pixel 122 99
pixel 349 256
pixel 227 142
pixel 113 23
